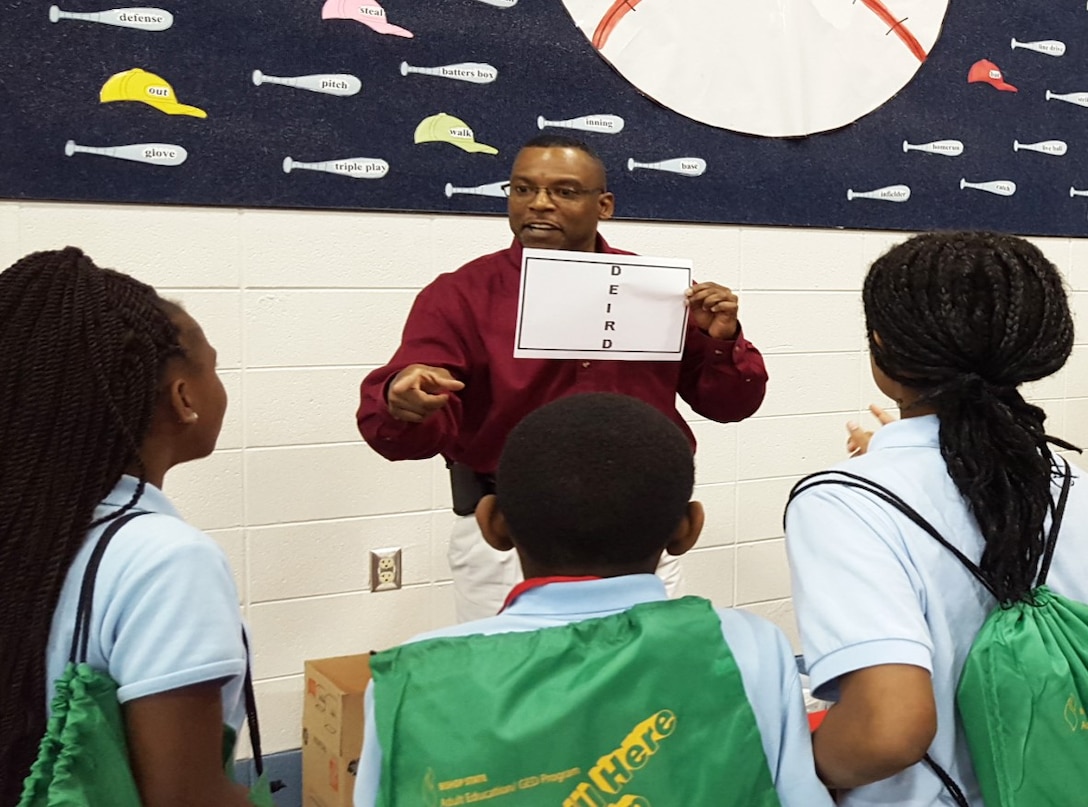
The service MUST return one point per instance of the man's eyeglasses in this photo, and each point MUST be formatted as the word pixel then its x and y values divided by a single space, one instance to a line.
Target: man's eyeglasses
pixel 524 192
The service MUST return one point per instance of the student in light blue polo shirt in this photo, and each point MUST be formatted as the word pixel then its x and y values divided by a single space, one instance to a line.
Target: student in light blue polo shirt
pixel 591 489
pixel 104 387
pixel 956 322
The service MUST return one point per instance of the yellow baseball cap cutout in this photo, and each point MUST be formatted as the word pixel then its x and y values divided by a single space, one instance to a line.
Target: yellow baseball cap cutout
pixel 147 88
pixel 443 128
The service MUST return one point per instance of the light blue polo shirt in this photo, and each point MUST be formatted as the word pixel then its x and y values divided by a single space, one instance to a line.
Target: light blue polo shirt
pixel 871 588
pixel 767 666
pixel 165 613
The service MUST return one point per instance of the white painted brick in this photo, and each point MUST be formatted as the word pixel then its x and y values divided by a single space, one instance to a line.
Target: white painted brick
pixel 332 481
pixel 440 485
pixel 336 249
pixel 441 526
pixel 242 747
pixel 442 608
pixel 868 421
pixel 287 632
pixel 1058 416
pixel 716 455
pixel 760 505
pixel 208 492
pixel 720 504
pixel 811 383
pixel 791 446
pixel 233 543
pixel 1078 303
pixel 781 613
pixel 803 322
pixel 870 392
pixel 686 412
pixel 713 250
pixel 460 239
pixel 878 242
pixel 1059 251
pixel 781 258
pixel 321 328
pixel 1073 457
pixel 709 572
pixel 865 418
pixel 1048 388
pixel 302 406
pixel 1076 373
pixel 217 312
pixel 763 572
pixel 230 436
pixel 306 301
pixel 11 249
pixel 1075 268
pixel 279 705
pixel 332 557
pixel 165 246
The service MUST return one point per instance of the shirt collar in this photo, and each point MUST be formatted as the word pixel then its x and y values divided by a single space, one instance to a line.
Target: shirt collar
pixel 151 499
pixel 919 432
pixel 587 597
pixel 516 250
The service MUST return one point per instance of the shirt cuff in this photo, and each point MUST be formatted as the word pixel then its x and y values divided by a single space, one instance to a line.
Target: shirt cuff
pixel 825 673
pixel 727 351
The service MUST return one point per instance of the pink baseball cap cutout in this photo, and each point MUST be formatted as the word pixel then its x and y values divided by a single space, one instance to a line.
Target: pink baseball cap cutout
pixel 368 12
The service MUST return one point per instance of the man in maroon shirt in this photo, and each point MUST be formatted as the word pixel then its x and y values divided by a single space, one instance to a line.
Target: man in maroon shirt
pixel 454 387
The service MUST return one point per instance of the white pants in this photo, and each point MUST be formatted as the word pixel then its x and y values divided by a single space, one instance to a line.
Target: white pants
pixel 483 576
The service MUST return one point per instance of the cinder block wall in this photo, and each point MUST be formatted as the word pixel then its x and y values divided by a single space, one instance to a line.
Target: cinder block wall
pixel 302 304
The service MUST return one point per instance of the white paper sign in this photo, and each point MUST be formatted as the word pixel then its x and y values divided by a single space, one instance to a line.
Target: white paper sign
pixel 588 305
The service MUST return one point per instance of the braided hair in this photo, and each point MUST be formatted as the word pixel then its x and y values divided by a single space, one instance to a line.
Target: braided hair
pixel 82 350
pixel 964 319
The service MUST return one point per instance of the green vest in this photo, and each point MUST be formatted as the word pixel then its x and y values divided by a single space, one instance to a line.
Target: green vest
pixel 645 707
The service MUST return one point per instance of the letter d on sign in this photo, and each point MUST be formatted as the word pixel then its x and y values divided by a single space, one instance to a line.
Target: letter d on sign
pixel 606 343
pixel 616 270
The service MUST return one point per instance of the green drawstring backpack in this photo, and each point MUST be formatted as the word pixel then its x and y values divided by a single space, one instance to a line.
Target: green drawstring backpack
pixel 83 757
pixel 1023 690
pixel 638 708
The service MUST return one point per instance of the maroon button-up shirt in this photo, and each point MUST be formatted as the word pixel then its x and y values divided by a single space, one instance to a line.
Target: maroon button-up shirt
pixel 465 321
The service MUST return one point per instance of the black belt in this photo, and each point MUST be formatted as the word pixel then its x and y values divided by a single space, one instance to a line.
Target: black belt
pixel 468 488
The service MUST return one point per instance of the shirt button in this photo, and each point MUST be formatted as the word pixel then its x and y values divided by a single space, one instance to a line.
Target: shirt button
pixel 585 364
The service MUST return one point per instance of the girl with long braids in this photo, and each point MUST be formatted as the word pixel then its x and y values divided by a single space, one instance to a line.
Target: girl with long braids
pixel 104 387
pixel 956 323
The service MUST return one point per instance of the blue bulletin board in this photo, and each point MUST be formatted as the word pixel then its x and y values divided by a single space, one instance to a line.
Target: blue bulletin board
pixel 420 105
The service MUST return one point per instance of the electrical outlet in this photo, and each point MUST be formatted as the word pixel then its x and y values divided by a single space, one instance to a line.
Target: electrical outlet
pixel 385 569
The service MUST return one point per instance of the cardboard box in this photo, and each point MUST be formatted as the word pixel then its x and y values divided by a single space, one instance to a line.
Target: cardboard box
pixel 332 729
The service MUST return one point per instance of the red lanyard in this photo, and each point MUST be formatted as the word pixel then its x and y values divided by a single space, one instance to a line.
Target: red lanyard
pixel 537 582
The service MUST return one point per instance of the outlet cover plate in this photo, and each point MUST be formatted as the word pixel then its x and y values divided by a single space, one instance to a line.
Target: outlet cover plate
pixel 385 569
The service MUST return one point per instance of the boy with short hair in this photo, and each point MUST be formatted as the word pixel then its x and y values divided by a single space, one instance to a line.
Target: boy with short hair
pixel 590 688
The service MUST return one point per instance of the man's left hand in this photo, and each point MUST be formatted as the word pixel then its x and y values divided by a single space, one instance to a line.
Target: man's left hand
pixel 714 309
